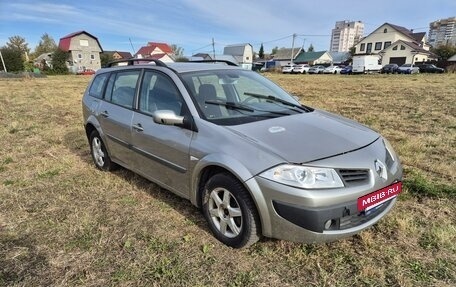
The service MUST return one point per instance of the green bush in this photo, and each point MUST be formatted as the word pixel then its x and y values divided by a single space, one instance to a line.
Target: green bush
pixel 13 59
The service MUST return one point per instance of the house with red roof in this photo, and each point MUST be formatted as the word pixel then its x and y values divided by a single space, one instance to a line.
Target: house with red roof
pixel 84 51
pixel 156 51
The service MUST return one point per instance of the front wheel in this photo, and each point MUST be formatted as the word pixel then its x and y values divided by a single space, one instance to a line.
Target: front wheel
pixel 230 211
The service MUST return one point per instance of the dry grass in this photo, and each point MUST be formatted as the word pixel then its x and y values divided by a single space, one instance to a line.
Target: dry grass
pixel 63 223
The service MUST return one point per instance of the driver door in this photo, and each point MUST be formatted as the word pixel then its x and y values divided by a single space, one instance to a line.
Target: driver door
pixel 161 151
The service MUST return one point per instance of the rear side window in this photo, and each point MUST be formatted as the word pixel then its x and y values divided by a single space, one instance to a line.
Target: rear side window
pixel 96 90
pixel 121 88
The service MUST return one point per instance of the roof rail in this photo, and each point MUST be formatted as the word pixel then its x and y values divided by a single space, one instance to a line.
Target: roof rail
pixel 229 63
pixel 131 62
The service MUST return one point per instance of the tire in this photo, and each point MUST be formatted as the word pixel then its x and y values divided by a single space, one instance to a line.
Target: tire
pixel 230 212
pixel 99 153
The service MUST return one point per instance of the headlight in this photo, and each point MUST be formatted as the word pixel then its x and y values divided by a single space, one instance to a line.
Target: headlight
pixel 304 176
pixel 389 149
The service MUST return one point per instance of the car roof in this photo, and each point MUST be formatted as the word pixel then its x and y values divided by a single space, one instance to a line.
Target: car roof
pixel 180 67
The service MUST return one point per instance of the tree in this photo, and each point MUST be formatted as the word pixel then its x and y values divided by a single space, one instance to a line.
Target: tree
pixel 18 43
pixel 182 59
pixel 46 45
pixel 311 48
pixel 177 51
pixel 274 50
pixel 59 61
pixel 444 52
pixel 13 59
pixel 261 52
pixel 105 59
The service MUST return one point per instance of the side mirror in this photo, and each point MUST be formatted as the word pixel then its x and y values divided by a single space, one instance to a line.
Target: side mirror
pixel 167 117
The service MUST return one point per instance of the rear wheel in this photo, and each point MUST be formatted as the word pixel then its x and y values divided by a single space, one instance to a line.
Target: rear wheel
pixel 99 153
pixel 230 212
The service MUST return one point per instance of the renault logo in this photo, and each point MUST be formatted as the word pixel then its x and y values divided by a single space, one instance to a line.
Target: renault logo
pixel 380 169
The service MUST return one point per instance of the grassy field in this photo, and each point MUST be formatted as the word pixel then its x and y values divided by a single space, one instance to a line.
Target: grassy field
pixel 64 223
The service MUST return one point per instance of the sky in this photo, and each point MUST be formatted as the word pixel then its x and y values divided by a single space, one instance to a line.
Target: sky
pixel 124 25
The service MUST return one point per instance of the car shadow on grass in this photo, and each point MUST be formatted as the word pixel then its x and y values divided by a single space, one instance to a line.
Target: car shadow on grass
pixel 77 143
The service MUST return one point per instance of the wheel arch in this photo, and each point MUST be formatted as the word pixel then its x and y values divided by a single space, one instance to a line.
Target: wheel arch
pixel 213 164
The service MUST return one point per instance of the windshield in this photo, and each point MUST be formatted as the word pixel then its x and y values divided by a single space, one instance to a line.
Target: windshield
pixel 231 97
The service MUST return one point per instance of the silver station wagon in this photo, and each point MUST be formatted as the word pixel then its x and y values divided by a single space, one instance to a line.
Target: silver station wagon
pixel 252 157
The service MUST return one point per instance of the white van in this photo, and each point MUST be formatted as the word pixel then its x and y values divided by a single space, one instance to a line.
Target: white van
pixel 366 64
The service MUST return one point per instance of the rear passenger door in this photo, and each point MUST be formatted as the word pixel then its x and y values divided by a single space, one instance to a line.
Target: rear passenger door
pixel 116 113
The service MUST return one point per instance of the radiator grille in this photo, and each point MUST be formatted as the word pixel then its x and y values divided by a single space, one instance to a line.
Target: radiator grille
pixel 354 176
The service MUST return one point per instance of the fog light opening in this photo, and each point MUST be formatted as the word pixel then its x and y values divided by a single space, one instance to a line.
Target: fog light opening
pixel 329 223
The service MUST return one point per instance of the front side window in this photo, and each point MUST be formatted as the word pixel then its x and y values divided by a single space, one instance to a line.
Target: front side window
pixel 362 47
pixel 92 57
pixel 158 92
pixel 230 97
pixel 369 48
pixel 387 44
pixel 378 46
pixel 121 88
pixel 79 56
pixel 402 47
pixel 96 89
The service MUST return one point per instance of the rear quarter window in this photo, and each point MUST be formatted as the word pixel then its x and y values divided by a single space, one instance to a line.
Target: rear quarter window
pixel 96 89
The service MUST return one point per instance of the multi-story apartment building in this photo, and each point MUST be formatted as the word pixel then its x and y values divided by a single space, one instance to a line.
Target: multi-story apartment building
pixel 442 32
pixel 345 35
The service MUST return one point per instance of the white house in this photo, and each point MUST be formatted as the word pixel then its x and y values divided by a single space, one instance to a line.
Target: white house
pixel 243 53
pixel 156 51
pixel 395 44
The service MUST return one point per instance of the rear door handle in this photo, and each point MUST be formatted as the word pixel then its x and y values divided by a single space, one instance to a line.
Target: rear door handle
pixel 138 127
pixel 104 114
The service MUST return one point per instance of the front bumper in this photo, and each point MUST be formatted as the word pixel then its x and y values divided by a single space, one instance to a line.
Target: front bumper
pixel 300 215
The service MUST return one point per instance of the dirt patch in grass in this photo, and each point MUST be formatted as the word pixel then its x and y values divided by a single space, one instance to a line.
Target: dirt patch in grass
pixel 62 222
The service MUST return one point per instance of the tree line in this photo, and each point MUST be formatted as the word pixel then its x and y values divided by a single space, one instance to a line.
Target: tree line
pixel 17 55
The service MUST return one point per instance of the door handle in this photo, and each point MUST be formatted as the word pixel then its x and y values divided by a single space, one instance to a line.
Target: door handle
pixel 104 114
pixel 138 127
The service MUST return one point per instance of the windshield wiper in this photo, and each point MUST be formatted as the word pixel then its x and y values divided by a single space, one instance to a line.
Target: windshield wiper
pixel 235 106
pixel 230 106
pixel 278 100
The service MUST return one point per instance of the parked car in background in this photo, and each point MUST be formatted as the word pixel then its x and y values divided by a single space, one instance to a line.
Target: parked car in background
pixel 288 69
pixel 85 72
pixel 301 68
pixel 408 69
pixel 317 69
pixel 430 68
pixel 332 70
pixel 347 70
pixel 251 156
pixel 389 69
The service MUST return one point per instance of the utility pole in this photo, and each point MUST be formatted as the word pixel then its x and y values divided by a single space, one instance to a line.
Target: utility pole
pixel 3 62
pixel 292 48
pixel 134 52
pixel 213 48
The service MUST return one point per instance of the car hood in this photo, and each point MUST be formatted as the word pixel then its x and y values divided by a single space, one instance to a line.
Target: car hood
pixel 306 137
